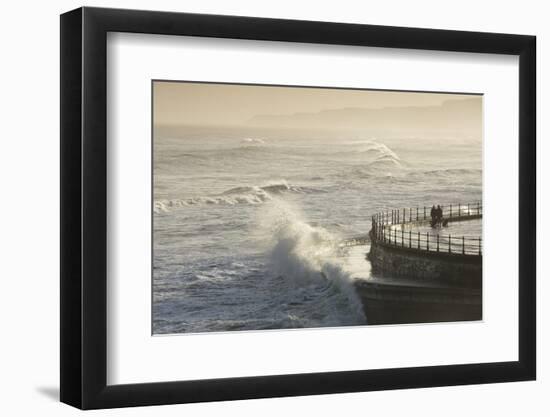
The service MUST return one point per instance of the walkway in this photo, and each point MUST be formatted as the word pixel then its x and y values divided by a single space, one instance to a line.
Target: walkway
pixel 410 228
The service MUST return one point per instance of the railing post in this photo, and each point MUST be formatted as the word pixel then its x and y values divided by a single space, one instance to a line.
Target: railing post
pixel 417 214
pixel 468 209
pixel 438 242
pixel 479 246
pixel 418 240
pixel 410 215
pixel 403 216
pixel 424 212
pixel 463 247
pixel 410 243
pixel 450 210
pixel 478 208
pixel 449 243
pixel 427 241
pixel 395 237
pixel 402 237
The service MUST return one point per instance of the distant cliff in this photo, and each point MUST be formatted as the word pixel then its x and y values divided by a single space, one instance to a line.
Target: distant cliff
pixel 463 114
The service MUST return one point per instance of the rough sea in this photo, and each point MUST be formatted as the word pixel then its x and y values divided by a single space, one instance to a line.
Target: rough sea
pixel 247 222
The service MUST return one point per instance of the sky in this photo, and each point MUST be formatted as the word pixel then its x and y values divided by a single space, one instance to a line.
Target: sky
pixel 211 104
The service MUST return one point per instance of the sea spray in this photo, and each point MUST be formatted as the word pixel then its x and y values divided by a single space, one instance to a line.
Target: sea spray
pixel 307 254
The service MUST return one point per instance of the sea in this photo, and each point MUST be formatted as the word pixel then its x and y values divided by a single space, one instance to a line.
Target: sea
pixel 247 222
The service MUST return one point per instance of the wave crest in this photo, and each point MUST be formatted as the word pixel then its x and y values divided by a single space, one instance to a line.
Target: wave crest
pixel 307 254
pixel 233 196
pixel 377 159
pixel 253 141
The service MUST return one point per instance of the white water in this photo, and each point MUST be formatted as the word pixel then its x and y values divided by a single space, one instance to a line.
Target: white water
pixel 307 254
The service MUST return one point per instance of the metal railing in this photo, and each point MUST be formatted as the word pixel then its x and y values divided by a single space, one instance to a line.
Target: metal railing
pixel 386 230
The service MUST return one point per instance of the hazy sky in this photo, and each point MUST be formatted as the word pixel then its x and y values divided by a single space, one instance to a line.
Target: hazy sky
pixel 181 103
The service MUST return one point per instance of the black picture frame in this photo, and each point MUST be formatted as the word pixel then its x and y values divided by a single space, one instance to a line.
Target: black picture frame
pixel 84 207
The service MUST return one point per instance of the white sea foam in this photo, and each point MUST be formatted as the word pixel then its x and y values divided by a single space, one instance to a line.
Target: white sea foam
pixel 379 148
pixel 237 195
pixel 253 141
pixel 377 159
pixel 305 253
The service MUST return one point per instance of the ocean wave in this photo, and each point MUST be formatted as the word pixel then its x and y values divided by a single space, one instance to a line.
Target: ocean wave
pixel 255 141
pixel 450 172
pixel 361 142
pixel 380 150
pixel 246 149
pixel 383 167
pixel 238 195
pixel 308 255
pixel 385 160
pixel 370 146
pixel 378 159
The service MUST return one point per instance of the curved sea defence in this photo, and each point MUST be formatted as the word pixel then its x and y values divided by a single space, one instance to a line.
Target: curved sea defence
pixel 424 274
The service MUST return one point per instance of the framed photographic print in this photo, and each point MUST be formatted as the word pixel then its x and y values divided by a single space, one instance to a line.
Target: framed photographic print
pixel 258 207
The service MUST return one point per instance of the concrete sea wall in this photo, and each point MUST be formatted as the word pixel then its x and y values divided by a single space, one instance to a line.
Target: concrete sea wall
pixel 422 277
pixel 386 303
pixel 449 269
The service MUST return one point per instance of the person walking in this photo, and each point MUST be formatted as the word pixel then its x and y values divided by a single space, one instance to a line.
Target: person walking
pixel 433 215
pixel 439 215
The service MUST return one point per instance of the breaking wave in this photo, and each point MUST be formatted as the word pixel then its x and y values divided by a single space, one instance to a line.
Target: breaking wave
pixel 379 150
pixel 233 196
pixel 253 141
pixel 308 255
pixel 377 159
